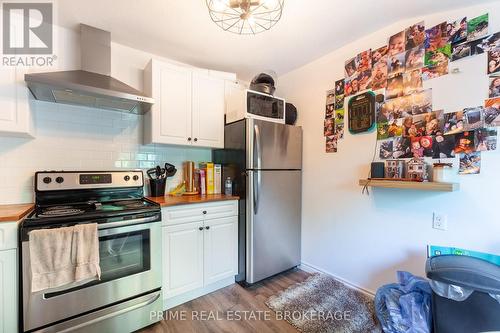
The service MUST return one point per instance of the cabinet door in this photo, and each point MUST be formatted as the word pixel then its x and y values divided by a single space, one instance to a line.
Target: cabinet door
pixel 182 258
pixel 208 111
pixel 8 291
pixel 221 249
pixel 172 108
pixel 15 113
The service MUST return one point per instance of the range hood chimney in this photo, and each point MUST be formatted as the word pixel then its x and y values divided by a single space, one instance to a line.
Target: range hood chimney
pixel 93 85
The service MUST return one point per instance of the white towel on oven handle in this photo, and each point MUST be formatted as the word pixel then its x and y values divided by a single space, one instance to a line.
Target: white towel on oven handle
pixel 61 258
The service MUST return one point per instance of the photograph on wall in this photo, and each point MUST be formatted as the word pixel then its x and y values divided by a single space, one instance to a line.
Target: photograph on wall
pixel 331 144
pixel 436 37
pixel 457 31
pixel 494 61
pixel 412 82
pixel 460 51
pixel 394 86
pixel 330 97
pixel 389 129
pixel 365 80
pixel 350 68
pixel 396 63
pixel 491 112
pixel 414 35
pixel 473 118
pixel 382 130
pixel 421 146
pixel 329 127
pixel 443 146
pixel 339 102
pixel 433 72
pixel 414 58
pixel 329 111
pixel 351 86
pixel 470 164
pixel 485 139
pixel 454 122
pixel 396 44
pixel 339 116
pixel 478 46
pixel 339 87
pixel 402 148
pixel 421 102
pixel 379 54
pixel 364 61
pixel 464 142
pixel 339 131
pixel 477 27
pixel 426 124
pixel 438 56
pixel 379 75
pixel 395 108
pixel 491 42
pixel 385 149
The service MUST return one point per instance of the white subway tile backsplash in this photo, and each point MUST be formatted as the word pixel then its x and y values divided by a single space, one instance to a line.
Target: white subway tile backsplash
pixel 80 138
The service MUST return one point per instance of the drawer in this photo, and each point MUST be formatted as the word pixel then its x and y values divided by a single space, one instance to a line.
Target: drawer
pixel 222 209
pixel 198 212
pixel 8 235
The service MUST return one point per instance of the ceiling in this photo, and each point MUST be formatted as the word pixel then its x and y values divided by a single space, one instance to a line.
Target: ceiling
pixel 182 29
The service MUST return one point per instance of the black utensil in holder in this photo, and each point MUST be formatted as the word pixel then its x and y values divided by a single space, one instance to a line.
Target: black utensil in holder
pixel 157 187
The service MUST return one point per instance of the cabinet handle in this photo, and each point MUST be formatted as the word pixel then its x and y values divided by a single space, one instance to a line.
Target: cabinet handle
pixel 204 212
pixel 207 227
pixel 200 228
pixel 195 139
pixel 189 139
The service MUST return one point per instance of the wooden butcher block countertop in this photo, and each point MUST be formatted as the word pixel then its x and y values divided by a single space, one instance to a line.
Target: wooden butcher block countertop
pixel 170 200
pixel 12 213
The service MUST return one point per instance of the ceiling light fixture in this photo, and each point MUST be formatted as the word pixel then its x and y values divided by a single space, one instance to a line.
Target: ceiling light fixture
pixel 245 17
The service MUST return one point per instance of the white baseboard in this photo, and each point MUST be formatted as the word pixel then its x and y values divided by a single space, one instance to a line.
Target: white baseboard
pixel 313 269
pixel 171 302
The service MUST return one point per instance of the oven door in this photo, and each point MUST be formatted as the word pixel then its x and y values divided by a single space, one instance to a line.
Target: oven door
pixel 130 260
pixel 265 107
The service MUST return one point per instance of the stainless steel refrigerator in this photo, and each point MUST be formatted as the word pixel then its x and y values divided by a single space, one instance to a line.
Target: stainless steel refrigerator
pixel 264 160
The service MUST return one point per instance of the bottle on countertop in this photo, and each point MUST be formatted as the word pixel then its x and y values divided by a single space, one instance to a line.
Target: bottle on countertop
pixel 228 186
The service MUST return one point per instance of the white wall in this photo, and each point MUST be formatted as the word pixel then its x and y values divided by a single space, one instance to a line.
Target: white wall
pixel 78 138
pixel 365 239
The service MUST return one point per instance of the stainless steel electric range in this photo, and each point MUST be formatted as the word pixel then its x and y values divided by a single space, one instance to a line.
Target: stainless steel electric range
pixel 129 291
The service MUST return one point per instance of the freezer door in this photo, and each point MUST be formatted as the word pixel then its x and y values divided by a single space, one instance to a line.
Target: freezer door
pixel 273 223
pixel 273 146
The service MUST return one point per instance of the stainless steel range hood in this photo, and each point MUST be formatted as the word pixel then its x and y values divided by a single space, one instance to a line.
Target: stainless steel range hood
pixel 93 85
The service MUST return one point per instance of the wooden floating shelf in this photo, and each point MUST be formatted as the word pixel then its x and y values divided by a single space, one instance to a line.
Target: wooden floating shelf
pixel 423 186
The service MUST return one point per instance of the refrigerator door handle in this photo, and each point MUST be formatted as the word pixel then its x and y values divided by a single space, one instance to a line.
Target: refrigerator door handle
pixel 258 152
pixel 256 190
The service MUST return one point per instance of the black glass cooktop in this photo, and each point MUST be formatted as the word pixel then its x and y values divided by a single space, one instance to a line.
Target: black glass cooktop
pixel 91 209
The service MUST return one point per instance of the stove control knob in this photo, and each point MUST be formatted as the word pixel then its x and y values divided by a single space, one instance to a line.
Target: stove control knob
pixel 59 180
pixel 47 180
pixel 127 178
pixel 136 178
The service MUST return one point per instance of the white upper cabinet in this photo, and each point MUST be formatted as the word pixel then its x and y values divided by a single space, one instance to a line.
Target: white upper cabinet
pixel 208 111
pixel 189 106
pixel 15 113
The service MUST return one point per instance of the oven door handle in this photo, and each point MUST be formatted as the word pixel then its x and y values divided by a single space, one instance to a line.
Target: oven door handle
pixel 125 223
pixel 148 301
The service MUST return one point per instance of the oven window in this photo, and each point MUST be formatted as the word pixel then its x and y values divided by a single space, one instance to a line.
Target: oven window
pixel 124 254
pixel 120 255
pixel 265 106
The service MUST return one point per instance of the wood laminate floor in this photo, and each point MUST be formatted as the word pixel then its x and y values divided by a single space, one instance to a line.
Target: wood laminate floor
pixel 218 311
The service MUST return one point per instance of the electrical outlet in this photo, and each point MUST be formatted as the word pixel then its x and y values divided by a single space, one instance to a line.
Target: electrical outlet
pixel 440 222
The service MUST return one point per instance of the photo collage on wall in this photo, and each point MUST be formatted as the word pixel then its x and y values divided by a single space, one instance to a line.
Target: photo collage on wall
pixel 407 124
pixel 334 116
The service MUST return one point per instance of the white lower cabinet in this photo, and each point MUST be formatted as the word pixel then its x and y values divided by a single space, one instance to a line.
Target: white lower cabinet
pixel 200 251
pixel 8 291
pixel 182 258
